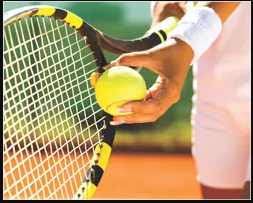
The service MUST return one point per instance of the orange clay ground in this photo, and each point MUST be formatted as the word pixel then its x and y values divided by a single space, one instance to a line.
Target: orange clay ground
pixel 149 176
pixel 142 176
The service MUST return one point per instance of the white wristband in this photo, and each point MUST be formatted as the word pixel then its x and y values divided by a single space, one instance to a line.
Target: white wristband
pixel 199 28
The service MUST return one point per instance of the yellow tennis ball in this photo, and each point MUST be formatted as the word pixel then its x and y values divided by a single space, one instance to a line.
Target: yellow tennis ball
pixel 118 85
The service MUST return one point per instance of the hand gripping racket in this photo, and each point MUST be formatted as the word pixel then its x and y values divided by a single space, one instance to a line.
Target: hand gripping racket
pixel 57 140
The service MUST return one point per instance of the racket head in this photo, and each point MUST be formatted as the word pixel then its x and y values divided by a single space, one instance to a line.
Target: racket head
pixel 21 74
pixel 152 38
pixel 96 41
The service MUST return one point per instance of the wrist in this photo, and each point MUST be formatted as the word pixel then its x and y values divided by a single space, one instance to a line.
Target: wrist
pixel 199 28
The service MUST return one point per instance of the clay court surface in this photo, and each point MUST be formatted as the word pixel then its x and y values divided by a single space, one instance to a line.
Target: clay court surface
pixel 149 176
pixel 135 176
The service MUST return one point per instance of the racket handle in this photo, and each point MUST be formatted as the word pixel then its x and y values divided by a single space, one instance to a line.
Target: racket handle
pixel 169 23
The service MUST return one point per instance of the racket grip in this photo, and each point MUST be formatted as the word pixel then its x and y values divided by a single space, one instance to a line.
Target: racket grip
pixel 170 23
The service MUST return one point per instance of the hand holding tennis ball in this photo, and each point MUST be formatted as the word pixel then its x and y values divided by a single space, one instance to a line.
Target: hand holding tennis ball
pixel 117 86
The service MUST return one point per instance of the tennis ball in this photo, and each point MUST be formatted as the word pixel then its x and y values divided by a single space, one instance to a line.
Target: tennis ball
pixel 117 86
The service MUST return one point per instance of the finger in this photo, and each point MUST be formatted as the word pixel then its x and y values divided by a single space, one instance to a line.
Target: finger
pixel 149 111
pixel 150 106
pixel 177 9
pixel 158 97
pixel 134 118
pixel 143 59
pixel 151 59
pixel 111 64
pixel 150 94
pixel 135 59
pixel 185 6
pixel 130 59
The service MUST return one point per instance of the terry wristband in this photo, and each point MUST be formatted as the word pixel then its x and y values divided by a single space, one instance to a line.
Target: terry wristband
pixel 199 28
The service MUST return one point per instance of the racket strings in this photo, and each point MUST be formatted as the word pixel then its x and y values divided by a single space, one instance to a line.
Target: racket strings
pixel 51 118
pixel 41 60
pixel 43 114
pixel 32 141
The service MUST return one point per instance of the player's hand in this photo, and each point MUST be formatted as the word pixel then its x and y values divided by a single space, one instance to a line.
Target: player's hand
pixel 171 61
pixel 165 9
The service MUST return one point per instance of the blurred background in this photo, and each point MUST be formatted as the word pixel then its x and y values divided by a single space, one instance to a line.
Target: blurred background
pixel 160 150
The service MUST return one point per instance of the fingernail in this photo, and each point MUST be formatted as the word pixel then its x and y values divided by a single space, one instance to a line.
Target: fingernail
pixel 124 110
pixel 117 122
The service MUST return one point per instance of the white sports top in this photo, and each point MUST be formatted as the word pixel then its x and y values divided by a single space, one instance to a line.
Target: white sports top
pixel 222 74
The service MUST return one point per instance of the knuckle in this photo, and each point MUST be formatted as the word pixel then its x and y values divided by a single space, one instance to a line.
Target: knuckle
pixel 122 58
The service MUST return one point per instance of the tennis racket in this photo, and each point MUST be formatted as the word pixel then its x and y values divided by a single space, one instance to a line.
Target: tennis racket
pixel 57 140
